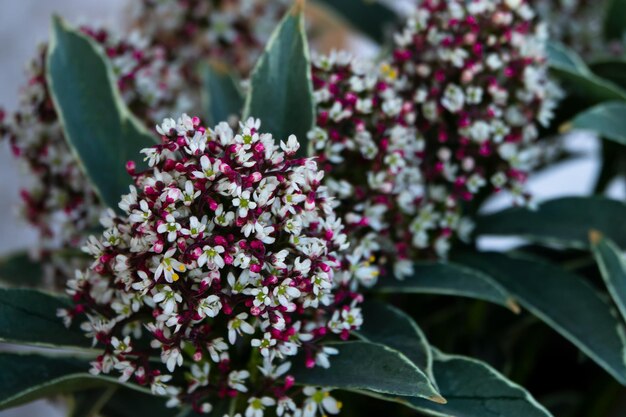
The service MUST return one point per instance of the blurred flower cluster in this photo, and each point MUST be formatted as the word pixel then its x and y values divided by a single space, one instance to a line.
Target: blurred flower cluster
pixel 228 250
pixel 154 62
pixel 59 200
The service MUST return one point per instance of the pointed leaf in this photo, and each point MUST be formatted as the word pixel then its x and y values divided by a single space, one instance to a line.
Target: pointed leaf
pixel 389 326
pixel 573 71
pixel 222 97
pixel 564 301
pixel 30 317
pixel 372 18
pixel 19 270
pixel 449 279
pixel 475 389
pixel 607 120
pixel 100 129
pixel 612 268
pixel 281 90
pixel 372 367
pixel 564 221
pixel 28 377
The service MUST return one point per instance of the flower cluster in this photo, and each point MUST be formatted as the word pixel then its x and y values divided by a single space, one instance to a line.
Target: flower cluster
pixel 477 72
pixel 579 24
pixel 227 261
pixel 59 200
pixel 367 142
pixel 233 31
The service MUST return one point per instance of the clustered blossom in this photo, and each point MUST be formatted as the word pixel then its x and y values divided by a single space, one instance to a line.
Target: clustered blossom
pixel 477 72
pixel 227 250
pixel 59 200
pixel 367 142
pixel 232 31
pixel 579 24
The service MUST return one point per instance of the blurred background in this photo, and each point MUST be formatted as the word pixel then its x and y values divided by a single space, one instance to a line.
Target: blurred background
pixel 25 23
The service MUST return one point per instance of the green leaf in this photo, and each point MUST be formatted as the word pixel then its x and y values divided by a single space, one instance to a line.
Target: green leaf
pixel 27 377
pixel 19 270
pixel 577 76
pixel 131 403
pixel 222 97
pixel 100 129
pixel 281 90
pixel 447 278
pixel 565 302
pixel 389 326
pixel 613 70
pixel 564 221
pixel 372 367
pixel 475 389
pixel 607 120
pixel 372 18
pixel 30 317
pixel 612 268
pixel 615 20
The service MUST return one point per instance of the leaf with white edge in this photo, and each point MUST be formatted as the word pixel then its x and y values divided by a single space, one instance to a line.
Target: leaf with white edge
pixel 28 377
pixel 30 317
pixel 281 89
pixel 563 222
pixel 564 301
pixel 372 18
pixel 607 120
pixel 446 278
pixel 475 389
pixel 612 268
pixel 19 270
pixel 389 326
pixel 99 128
pixel 573 71
pixel 222 97
pixel 372 367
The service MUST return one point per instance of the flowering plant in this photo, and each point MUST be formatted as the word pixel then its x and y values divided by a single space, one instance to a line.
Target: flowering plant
pixel 274 252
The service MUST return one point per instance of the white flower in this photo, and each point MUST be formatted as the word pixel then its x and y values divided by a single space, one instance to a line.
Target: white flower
pixel 169 267
pixel 238 325
pixel 319 400
pixel 210 306
pixel 236 380
pixel 211 256
pixel 256 406
pixel 244 203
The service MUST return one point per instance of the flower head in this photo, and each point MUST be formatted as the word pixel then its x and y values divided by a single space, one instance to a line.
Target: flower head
pixel 205 296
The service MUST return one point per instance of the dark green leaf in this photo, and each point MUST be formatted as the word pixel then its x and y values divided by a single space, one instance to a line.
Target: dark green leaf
pixel 449 279
pixel 222 97
pixel 615 20
pixel 391 327
pixel 564 221
pixel 612 267
pixel 130 403
pixel 19 270
pixel 579 79
pixel 281 90
pixel 475 389
pixel 607 120
pixel 27 377
pixel 564 301
pixel 613 70
pixel 30 317
pixel 372 18
pixel 100 129
pixel 372 367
